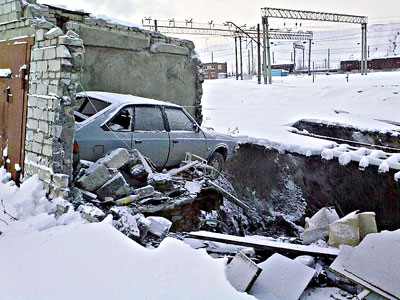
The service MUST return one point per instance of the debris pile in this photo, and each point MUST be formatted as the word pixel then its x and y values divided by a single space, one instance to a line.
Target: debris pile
pixel 126 185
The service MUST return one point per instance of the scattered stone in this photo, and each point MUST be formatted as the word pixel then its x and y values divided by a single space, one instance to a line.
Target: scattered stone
pixel 242 272
pixel 94 177
pixel 159 226
pixel 116 159
pixel 91 213
pixel 160 181
pixel 116 188
pixel 138 173
pixel 144 192
pixel 126 222
pixel 88 196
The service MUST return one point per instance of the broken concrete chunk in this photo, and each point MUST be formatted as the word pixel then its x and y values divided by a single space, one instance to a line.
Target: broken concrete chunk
pixel 94 177
pixel 88 196
pixel 281 278
pixel 367 224
pixel 116 159
pixel 138 173
pixel 159 226
pixel 160 181
pixel 116 188
pixel 242 272
pixel 126 222
pixel 345 231
pixel 306 260
pixel 91 213
pixel 193 187
pixel 144 192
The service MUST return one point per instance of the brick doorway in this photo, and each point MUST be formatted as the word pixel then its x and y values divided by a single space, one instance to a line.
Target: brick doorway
pixel 14 56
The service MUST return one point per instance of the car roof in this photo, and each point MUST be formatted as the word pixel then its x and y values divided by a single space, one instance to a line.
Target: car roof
pixel 119 99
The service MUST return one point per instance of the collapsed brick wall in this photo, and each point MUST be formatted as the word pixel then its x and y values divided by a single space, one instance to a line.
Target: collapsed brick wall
pixel 54 77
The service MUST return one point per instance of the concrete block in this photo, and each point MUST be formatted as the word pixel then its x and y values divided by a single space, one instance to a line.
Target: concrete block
pixel 144 192
pixel 281 278
pixel 242 272
pixel 91 213
pixel 39 35
pixel 61 180
pixel 95 177
pixel 55 65
pixel 63 52
pixel 115 188
pixel 50 53
pixel 159 226
pixel 169 48
pixel 116 159
pixel 53 33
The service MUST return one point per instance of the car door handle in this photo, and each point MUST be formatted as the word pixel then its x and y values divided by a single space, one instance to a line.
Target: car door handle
pixel 138 141
pixel 175 141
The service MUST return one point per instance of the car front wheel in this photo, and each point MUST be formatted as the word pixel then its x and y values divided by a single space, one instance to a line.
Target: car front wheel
pixel 217 162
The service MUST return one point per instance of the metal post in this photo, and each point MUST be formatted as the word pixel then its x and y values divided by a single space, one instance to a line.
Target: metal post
pixel 365 50
pixel 155 26
pixel 309 58
pixel 249 61
pixel 264 52
pixel 241 58
pixel 258 54
pixel 294 59
pixel 302 67
pixel 236 60
pixel 273 57
pixel 362 50
pixel 268 52
pixel 313 72
pixel 252 57
pixel 212 57
pixel 329 59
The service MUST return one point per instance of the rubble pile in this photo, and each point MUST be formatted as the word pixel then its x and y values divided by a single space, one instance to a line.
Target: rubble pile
pixel 144 202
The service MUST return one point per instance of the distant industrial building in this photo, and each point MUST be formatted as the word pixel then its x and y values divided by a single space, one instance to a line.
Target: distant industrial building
pixel 215 70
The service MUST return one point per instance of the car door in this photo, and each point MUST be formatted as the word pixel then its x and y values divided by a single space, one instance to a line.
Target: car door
pixel 184 137
pixel 150 136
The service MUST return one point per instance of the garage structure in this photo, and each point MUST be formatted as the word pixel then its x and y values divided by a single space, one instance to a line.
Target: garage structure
pixel 48 54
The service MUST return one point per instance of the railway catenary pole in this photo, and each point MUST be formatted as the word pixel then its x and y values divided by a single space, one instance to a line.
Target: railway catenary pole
pixel 258 54
pixel 264 53
pixel 268 52
pixel 324 17
pixel 241 58
pixel 236 60
pixel 309 57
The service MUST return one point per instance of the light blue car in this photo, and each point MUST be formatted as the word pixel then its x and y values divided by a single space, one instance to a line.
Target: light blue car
pixel 162 131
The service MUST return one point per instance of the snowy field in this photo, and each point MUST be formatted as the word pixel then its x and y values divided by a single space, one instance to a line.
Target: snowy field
pixel 265 112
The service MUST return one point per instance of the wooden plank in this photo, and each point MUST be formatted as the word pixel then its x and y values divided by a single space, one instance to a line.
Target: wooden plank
pixel 228 196
pixel 278 247
pixel 189 165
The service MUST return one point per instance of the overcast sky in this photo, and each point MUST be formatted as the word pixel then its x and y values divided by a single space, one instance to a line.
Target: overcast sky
pixel 239 11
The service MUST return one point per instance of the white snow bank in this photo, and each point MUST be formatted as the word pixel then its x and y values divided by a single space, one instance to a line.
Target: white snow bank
pixel 44 256
pixel 95 261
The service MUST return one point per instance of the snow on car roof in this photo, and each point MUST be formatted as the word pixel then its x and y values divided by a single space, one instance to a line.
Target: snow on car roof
pixel 118 99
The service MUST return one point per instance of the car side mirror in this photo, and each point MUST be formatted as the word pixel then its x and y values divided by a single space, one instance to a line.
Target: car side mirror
pixel 196 127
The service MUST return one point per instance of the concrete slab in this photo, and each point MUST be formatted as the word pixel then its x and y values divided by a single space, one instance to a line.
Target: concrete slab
pixel 281 278
pixel 242 272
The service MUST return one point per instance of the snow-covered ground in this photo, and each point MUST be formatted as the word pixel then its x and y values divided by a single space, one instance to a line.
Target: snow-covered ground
pixel 264 113
pixel 46 257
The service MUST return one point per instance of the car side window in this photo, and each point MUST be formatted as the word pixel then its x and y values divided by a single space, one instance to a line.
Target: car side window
pixel 122 121
pixel 178 120
pixel 148 118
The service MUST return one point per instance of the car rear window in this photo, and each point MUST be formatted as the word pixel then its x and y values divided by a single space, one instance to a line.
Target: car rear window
pixel 88 108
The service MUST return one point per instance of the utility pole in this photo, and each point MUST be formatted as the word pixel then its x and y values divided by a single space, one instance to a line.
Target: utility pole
pixel 249 60
pixel 291 56
pixel 264 53
pixel 325 63
pixel 329 59
pixel 259 54
pixel 313 72
pixel 236 59
pixel 309 57
pixel 273 57
pixel 302 67
pixel 212 57
pixel 241 58
pixel 155 26
pixel 294 59
pixel 252 57
pixel 268 52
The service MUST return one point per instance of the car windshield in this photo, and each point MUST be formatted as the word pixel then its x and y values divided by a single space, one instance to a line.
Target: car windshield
pixel 87 107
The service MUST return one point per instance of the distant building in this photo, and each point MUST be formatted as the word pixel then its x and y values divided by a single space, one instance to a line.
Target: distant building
pixel 215 70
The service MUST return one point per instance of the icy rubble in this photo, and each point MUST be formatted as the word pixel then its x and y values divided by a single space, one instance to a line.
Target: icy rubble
pixel 63 257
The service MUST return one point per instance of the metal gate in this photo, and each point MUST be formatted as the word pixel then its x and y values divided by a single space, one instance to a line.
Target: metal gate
pixel 14 70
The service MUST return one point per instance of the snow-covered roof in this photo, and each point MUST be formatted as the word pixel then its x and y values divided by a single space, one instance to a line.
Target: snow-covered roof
pixel 118 99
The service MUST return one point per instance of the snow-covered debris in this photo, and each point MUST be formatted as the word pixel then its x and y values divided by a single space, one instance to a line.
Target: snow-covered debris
pixel 242 272
pixel 281 278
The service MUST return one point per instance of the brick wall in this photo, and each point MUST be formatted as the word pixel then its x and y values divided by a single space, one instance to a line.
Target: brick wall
pixel 54 76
